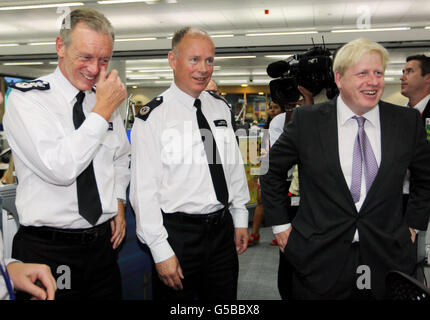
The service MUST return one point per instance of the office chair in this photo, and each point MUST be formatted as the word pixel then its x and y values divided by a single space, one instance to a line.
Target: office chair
pixel 400 286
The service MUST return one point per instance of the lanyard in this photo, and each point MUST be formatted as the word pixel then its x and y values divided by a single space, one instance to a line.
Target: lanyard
pixel 6 277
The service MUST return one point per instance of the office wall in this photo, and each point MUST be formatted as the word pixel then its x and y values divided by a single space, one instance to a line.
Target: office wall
pixel 392 94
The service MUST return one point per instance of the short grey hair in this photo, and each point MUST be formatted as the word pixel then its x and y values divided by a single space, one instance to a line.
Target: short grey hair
pixel 92 18
pixel 180 34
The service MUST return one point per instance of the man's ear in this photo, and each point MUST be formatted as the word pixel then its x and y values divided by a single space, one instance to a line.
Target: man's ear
pixel 172 59
pixel 60 46
pixel 427 79
pixel 337 78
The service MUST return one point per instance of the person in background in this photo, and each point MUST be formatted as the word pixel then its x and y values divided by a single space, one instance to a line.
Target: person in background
pixel 415 85
pixel 8 175
pixel 71 155
pixel 212 87
pixel 277 126
pixel 273 110
pixel 188 187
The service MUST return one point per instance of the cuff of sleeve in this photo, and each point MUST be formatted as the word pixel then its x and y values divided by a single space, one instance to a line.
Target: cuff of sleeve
pixel 121 192
pixel 10 260
pixel 240 217
pixel 161 251
pixel 281 228
pixel 96 124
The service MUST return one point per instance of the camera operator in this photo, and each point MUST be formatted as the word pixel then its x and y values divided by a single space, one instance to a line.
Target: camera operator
pixel 303 75
pixel 277 124
pixel 285 270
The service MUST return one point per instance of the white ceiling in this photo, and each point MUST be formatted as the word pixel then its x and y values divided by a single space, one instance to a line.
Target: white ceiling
pixel 160 19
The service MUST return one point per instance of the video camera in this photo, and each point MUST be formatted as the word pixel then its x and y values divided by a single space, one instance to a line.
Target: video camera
pixel 312 70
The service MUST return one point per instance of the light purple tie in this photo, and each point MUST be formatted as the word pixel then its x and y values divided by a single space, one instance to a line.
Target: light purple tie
pixel 362 153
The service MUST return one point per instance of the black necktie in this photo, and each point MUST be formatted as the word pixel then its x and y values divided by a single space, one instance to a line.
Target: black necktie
pixel 90 207
pixel 213 157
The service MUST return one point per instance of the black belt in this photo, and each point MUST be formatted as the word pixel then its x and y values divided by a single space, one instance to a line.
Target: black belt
pixel 209 218
pixel 76 236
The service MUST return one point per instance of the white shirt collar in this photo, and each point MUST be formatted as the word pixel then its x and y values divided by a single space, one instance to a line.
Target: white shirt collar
pixel 420 106
pixel 345 113
pixel 183 97
pixel 64 85
pixel 68 90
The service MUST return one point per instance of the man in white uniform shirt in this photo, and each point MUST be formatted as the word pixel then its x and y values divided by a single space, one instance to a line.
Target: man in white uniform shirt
pixel 72 156
pixel 190 210
pixel 352 153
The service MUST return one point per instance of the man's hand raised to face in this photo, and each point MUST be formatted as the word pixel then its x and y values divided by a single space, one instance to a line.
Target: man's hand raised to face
pixel 110 93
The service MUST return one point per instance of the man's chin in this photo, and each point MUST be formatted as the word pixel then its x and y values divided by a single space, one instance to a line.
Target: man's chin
pixel 86 85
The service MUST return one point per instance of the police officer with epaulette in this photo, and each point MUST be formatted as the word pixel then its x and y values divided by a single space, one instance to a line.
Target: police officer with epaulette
pixel 188 186
pixel 72 162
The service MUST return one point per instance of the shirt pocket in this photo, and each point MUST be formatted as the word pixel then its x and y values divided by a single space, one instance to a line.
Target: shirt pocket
pixel 180 144
pixel 109 146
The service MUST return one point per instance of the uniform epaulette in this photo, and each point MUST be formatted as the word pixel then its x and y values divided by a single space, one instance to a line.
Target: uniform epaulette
pixel 146 110
pixel 219 98
pixel 30 85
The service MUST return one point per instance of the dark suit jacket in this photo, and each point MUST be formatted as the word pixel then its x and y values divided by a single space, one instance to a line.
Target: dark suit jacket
pixel 327 218
pixel 426 112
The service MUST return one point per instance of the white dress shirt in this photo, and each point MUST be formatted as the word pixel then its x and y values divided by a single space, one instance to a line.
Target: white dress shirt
pixel 49 154
pixel 347 129
pixel 420 106
pixel 4 294
pixel 347 132
pixel 170 170
pixel 276 127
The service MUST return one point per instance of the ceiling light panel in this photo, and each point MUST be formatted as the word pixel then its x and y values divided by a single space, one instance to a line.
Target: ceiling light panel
pixel 24 63
pixel 126 1
pixel 42 6
pixel 9 44
pixel 370 30
pixel 264 34
pixel 135 39
pixel 235 57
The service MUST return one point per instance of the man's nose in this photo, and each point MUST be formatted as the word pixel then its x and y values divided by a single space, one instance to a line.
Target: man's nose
pixel 93 67
pixel 204 67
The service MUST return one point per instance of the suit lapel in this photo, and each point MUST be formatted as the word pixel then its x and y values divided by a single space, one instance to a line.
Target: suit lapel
pixel 388 148
pixel 328 133
pixel 426 113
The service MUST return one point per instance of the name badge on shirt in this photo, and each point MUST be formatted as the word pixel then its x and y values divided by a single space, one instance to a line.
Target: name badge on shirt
pixel 110 126
pixel 220 123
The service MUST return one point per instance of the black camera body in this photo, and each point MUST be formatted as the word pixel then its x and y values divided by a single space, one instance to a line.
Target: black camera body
pixel 312 70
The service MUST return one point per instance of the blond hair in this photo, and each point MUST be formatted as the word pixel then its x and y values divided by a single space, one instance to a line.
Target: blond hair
pixel 351 53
